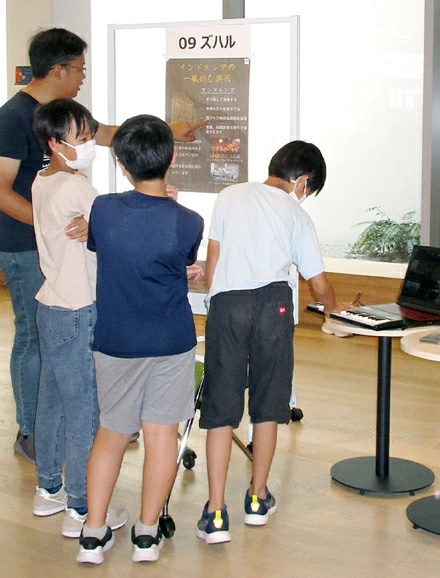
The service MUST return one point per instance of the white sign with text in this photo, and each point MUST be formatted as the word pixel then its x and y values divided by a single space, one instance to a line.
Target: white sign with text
pixel 209 42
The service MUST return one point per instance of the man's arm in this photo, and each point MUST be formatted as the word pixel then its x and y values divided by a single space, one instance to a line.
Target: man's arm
pixel 185 132
pixel 323 291
pixel 104 135
pixel 211 261
pixel 11 202
pixel 182 132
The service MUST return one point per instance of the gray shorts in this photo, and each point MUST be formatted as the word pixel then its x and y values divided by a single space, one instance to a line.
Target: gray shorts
pixel 157 390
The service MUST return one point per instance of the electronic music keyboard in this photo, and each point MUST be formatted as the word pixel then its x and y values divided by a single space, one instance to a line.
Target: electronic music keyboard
pixel 363 317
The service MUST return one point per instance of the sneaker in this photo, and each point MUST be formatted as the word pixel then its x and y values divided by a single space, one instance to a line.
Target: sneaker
pixel 257 511
pixel 46 504
pixel 329 329
pixel 73 522
pixel 146 548
pixel 25 446
pixel 214 527
pixel 92 549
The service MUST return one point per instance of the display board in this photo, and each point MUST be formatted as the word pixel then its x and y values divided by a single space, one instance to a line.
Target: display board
pixel 241 76
pixel 181 71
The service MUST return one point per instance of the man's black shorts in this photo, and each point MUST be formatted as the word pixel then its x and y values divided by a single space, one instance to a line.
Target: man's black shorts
pixel 248 341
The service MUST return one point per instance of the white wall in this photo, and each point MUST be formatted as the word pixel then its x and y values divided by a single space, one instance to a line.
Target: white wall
pixel 75 16
pixel 23 19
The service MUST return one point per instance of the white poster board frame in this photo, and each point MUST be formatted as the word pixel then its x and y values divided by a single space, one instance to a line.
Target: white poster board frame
pixel 293 114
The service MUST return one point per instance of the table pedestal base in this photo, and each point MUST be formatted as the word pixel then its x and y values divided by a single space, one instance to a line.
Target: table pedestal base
pixel 360 474
pixel 425 514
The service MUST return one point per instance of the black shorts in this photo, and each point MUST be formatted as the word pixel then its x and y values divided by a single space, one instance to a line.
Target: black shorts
pixel 248 342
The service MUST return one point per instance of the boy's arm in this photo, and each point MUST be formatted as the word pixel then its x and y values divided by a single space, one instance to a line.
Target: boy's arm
pixel 323 290
pixel 211 261
pixel 194 272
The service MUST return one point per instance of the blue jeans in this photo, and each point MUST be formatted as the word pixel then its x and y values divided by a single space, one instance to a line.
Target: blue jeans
pixel 67 411
pixel 24 279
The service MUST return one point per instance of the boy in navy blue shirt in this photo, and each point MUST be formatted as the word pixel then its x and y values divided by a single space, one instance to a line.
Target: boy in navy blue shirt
pixel 144 336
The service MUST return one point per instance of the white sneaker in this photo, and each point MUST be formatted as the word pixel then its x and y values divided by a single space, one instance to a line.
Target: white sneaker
pixel 46 504
pixel 73 522
pixel 329 329
pixel 92 549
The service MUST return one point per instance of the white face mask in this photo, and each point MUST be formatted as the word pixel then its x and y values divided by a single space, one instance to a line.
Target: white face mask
pixel 85 155
pixel 293 194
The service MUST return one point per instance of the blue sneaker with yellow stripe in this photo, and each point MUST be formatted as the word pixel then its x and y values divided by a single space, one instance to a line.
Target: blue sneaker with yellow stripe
pixel 214 527
pixel 258 510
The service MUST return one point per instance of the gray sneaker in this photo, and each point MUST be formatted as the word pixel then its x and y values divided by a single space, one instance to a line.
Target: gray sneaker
pixel 73 522
pixel 25 446
pixel 46 504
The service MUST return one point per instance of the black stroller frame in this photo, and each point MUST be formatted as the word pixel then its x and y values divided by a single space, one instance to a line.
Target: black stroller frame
pixel 188 456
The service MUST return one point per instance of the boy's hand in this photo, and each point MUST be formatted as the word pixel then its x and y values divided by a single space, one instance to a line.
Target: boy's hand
pixel 78 229
pixel 172 192
pixel 194 272
pixel 184 132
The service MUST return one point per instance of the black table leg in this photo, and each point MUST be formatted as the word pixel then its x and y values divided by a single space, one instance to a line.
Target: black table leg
pixel 382 474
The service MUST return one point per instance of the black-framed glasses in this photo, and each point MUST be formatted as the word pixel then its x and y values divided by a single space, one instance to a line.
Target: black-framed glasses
pixel 82 69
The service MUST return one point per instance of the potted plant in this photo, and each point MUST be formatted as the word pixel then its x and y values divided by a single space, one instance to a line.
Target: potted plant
pixel 386 240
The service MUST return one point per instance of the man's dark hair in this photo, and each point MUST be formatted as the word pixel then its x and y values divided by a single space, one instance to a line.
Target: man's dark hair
pixel 299 158
pixel 54 46
pixel 144 144
pixel 53 120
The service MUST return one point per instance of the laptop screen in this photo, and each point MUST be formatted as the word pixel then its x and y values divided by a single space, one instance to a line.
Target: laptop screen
pixel 421 286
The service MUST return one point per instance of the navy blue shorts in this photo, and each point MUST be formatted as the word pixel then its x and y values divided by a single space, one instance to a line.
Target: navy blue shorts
pixel 249 341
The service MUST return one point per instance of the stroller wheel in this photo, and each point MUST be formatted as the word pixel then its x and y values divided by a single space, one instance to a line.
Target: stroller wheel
pixel 189 458
pixel 167 526
pixel 296 414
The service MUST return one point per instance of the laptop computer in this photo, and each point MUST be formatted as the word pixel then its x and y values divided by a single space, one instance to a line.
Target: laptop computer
pixel 418 302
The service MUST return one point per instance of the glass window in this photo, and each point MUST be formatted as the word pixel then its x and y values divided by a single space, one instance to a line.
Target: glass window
pixel 361 87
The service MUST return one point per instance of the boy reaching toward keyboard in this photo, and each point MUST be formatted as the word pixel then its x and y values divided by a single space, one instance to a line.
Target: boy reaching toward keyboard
pixel 258 231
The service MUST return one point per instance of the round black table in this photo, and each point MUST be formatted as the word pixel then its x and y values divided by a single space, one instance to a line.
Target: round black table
pixel 425 512
pixel 380 473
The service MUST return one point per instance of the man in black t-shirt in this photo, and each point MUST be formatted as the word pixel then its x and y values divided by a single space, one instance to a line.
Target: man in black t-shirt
pixel 57 59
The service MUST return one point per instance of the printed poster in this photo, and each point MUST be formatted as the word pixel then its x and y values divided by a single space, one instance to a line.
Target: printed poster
pixel 215 88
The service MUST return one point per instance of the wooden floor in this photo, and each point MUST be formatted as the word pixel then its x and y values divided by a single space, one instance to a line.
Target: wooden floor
pixel 320 530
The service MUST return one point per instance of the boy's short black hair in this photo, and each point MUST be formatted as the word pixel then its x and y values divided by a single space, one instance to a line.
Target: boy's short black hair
pixel 53 46
pixel 144 144
pixel 53 120
pixel 299 158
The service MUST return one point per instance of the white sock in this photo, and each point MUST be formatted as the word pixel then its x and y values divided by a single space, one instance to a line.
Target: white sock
pixel 143 530
pixel 94 532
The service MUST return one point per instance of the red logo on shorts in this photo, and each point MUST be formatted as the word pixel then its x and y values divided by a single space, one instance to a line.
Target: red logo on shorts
pixel 282 310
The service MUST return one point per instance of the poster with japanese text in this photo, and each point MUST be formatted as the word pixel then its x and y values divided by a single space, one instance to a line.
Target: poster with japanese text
pixel 215 88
